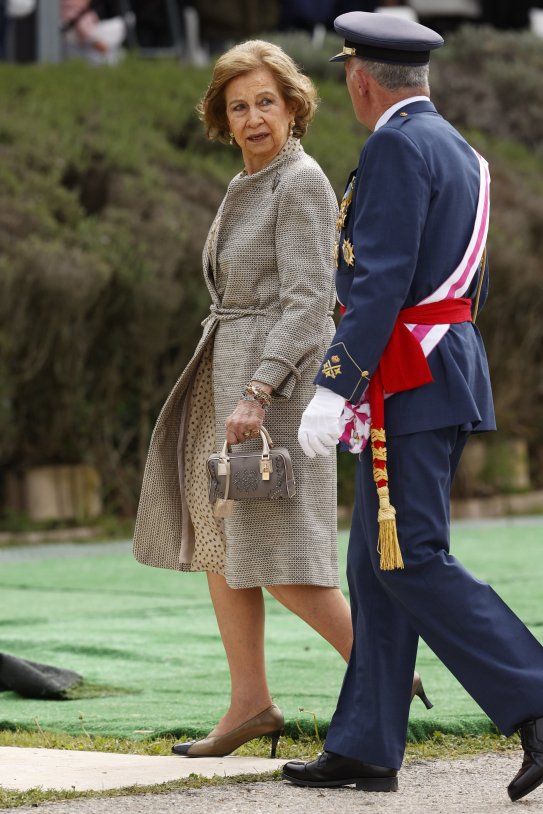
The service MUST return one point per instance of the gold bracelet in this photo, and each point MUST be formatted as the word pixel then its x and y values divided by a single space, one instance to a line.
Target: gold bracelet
pixel 252 393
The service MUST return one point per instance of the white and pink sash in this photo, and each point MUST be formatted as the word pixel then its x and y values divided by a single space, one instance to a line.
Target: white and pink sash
pixel 355 420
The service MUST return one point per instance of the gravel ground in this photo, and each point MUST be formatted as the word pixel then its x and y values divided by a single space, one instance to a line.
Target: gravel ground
pixel 476 785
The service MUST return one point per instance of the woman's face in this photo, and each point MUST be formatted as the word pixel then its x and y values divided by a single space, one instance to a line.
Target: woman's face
pixel 258 117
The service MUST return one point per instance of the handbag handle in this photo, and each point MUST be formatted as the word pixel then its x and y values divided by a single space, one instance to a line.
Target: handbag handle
pixel 267 444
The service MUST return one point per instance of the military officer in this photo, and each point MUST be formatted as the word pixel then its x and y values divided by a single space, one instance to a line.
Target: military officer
pixel 408 363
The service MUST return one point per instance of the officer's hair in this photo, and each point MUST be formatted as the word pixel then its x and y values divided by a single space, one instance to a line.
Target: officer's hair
pixel 396 77
pixel 296 88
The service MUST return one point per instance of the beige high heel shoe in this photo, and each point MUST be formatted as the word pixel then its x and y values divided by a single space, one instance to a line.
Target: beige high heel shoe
pixel 418 690
pixel 269 723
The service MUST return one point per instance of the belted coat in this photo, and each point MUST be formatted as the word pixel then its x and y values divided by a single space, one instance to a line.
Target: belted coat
pixel 268 267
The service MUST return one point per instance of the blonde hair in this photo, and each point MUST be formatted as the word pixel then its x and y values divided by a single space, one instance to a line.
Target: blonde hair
pixel 296 89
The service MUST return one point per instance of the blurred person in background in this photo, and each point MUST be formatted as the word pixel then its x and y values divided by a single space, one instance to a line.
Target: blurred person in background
pixel 12 10
pixel 225 21
pixel 306 14
pixel 507 14
pixel 153 26
pixel 343 6
pixel 3 28
pixel 88 36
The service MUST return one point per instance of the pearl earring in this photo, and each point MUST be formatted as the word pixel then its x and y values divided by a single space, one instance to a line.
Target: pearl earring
pixel 232 139
pixel 291 129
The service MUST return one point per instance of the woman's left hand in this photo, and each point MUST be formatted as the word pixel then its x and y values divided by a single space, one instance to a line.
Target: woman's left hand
pixel 245 422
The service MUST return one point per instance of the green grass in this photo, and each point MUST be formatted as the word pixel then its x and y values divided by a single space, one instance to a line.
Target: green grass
pixel 149 639
pixel 147 644
pixel 38 796
pixel 436 746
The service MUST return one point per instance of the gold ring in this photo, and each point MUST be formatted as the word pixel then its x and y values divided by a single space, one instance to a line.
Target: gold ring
pixel 247 434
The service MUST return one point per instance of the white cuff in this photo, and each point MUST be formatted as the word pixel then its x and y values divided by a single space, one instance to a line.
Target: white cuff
pixel 328 401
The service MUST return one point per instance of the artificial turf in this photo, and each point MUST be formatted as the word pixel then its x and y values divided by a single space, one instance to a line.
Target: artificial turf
pixel 149 639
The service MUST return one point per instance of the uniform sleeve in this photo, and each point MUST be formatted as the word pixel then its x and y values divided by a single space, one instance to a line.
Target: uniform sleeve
pixel 391 203
pixel 304 240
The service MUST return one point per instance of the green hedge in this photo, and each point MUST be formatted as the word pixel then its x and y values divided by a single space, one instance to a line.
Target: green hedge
pixel 107 189
pixel 103 210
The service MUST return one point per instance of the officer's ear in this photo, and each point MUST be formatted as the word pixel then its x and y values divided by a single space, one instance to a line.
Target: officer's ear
pixel 360 80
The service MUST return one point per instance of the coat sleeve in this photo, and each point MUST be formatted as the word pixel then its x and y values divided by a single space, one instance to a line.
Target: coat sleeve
pixel 304 237
pixel 392 196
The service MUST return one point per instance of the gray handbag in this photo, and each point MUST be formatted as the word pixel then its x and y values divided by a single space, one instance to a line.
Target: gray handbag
pixel 266 475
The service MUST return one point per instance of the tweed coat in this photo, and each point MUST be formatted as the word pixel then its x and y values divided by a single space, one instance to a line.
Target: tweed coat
pixel 268 267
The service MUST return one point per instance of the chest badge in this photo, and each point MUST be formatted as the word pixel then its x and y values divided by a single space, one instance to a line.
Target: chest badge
pixel 342 216
pixel 344 205
pixel 348 252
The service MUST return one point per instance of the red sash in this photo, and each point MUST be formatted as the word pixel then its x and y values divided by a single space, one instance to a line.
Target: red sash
pixel 403 366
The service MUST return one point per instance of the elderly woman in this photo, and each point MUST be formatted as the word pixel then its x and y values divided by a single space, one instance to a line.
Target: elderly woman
pixel 268 266
pixel 267 263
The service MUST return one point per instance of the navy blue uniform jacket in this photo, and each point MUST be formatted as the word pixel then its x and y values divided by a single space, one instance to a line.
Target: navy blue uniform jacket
pixel 407 228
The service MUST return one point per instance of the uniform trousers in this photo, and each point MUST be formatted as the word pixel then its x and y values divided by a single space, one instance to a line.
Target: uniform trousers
pixel 467 625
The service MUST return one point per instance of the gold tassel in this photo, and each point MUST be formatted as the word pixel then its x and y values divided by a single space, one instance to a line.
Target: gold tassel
pixel 388 546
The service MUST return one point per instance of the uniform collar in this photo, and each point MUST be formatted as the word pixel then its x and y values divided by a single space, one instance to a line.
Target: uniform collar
pixel 399 106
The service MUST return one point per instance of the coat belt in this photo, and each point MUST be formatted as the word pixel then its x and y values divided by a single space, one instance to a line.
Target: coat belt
pixel 228 314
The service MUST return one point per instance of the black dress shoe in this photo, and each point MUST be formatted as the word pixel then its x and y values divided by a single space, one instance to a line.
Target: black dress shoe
pixel 530 774
pixel 331 770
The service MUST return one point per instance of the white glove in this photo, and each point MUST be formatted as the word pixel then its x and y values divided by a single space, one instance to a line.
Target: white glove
pixel 319 428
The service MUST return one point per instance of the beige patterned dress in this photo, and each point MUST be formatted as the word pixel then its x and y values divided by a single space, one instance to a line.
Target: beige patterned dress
pixel 269 270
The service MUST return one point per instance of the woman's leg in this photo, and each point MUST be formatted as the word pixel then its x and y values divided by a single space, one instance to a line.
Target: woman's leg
pixel 240 616
pixel 325 609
